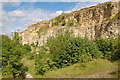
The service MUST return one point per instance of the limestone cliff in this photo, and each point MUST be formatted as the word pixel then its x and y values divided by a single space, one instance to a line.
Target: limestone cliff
pixel 101 20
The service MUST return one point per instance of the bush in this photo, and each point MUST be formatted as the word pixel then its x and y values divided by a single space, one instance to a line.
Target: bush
pixel 109 48
pixel 41 62
pixel 67 49
pixel 64 50
pixel 43 29
pixel 117 16
pixel 27 47
pixel 59 20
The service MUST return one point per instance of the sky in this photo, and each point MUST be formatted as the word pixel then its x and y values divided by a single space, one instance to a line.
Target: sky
pixel 19 14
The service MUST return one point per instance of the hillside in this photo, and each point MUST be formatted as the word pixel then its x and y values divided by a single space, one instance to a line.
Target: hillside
pixel 92 69
pixel 80 44
pixel 101 20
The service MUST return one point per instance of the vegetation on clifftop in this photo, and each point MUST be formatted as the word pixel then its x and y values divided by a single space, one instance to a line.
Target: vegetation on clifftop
pixel 117 16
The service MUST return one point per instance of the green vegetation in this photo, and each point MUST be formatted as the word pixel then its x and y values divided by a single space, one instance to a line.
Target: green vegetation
pixel 71 49
pixel 30 63
pixel 12 52
pixel 117 16
pixel 62 56
pixel 43 29
pixel 109 48
pixel 61 20
pixel 0 73
pixel 95 68
pixel 100 67
pixel 65 50
pixel 58 20
pixel 72 22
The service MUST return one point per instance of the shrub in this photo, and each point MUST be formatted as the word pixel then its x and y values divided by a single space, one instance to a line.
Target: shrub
pixel 64 50
pixel 12 51
pixel 109 48
pixel 59 20
pixel 117 16
pixel 43 29
pixel 27 47
pixel 41 62
pixel 67 49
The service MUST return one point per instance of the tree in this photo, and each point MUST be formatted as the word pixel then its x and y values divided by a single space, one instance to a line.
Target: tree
pixel 12 51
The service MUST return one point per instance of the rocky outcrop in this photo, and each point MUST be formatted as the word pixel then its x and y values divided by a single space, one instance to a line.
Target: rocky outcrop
pixel 101 20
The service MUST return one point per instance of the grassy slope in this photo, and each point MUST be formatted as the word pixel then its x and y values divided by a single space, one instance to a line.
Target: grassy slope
pixel 0 73
pixel 96 68
pixel 31 67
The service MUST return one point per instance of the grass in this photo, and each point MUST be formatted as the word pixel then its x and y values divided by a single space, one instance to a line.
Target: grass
pixel 96 68
pixel 117 16
pixel 0 73
pixel 100 68
pixel 43 29
pixel 31 67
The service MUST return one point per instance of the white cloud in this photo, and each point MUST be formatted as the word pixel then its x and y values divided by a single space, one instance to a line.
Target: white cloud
pixel 16 14
pixel 5 23
pixel 11 3
pixel 10 0
pixel 72 0
pixel 84 0
pixel 59 12
pixel 24 18
pixel 0 17
pixel 34 16
pixel 54 0
pixel 0 9
pixel 4 20
pixel 21 0
pixel 115 0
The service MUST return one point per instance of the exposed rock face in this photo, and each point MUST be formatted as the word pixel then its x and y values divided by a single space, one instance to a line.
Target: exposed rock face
pixel 93 22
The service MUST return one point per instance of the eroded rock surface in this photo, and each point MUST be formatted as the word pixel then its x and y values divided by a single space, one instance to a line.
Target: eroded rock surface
pixel 97 21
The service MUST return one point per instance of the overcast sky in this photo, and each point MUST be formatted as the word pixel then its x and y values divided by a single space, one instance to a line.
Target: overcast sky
pixel 19 14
